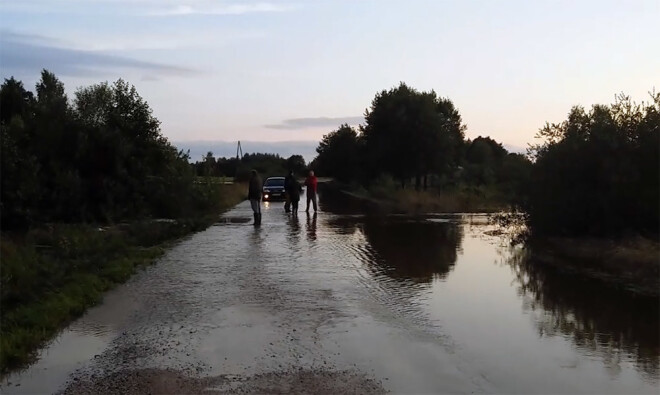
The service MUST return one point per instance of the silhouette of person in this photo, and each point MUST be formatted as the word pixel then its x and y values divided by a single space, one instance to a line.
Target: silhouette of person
pixel 288 184
pixel 254 195
pixel 311 183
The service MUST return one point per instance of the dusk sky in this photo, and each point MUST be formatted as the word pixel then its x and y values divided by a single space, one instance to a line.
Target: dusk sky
pixel 294 70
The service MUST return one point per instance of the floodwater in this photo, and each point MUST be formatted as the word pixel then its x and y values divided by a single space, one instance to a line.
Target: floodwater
pixel 433 304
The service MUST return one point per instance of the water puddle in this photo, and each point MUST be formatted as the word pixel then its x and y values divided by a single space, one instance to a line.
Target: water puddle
pixel 429 304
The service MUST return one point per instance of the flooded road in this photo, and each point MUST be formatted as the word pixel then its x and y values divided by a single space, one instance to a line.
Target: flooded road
pixel 345 302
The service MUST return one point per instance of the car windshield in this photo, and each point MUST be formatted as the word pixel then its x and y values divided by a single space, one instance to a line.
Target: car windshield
pixel 274 182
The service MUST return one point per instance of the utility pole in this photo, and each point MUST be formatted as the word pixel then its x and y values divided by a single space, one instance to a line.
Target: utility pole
pixel 239 149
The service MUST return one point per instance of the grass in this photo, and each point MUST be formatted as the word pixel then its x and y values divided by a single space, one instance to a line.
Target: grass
pixel 631 262
pixel 52 274
pixel 409 201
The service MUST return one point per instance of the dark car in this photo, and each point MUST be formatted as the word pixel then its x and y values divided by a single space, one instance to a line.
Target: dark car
pixel 273 188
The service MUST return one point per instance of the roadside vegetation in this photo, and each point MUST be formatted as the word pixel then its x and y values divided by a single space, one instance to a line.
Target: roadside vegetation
pixel 587 196
pixel 91 190
pixel 412 156
pixel 593 199
pixel 268 165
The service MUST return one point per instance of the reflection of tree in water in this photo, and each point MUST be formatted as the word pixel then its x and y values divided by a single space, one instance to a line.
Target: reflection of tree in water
pixel 413 250
pixel 293 236
pixel 337 202
pixel 344 225
pixel 600 319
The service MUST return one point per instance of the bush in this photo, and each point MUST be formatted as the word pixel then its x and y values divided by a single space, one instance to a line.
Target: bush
pixel 100 158
pixel 597 173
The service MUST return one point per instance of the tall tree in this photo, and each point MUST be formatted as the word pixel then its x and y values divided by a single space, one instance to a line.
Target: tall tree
pixel 296 164
pixel 339 154
pixel 411 134
pixel 598 173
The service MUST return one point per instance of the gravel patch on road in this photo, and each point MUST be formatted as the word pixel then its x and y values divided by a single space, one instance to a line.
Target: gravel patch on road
pixel 155 381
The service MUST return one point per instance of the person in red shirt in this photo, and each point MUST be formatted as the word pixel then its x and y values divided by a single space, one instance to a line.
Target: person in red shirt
pixel 311 184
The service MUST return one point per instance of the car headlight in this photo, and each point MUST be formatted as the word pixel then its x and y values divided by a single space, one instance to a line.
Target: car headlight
pixel 266 196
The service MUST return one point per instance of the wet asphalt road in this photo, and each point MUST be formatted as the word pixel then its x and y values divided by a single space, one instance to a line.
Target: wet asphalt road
pixel 327 303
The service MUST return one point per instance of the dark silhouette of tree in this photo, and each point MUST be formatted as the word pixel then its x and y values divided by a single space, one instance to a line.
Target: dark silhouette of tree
pixel 597 173
pixel 15 101
pixel 487 163
pixel 209 165
pixel 411 134
pixel 339 154
pixel 268 165
pixel 100 157
pixel 19 166
pixel 227 167
pixel 296 163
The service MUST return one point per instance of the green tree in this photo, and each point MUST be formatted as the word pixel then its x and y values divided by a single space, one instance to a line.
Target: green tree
pixel 209 165
pixel 100 158
pixel 483 161
pixel 339 154
pixel 268 165
pixel 411 134
pixel 19 188
pixel 296 164
pixel 597 173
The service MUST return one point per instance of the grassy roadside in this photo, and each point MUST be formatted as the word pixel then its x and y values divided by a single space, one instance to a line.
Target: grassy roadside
pixel 631 263
pixel 52 274
pixel 409 201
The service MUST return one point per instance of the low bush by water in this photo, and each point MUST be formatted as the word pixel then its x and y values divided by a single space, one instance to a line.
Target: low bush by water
pixel 389 197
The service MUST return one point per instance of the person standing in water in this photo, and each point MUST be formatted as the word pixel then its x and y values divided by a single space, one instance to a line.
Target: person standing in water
pixel 294 194
pixel 254 194
pixel 288 185
pixel 311 184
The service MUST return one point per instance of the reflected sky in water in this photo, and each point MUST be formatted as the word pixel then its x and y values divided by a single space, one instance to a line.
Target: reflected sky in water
pixel 433 304
pixel 522 321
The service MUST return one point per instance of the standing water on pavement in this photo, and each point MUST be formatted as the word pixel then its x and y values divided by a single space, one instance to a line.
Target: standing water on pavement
pixel 349 301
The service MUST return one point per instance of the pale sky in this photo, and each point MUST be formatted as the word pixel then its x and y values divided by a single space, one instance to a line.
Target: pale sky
pixel 294 70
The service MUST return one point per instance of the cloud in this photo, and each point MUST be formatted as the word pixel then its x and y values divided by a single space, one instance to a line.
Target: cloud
pixel 149 78
pixel 25 53
pixel 224 9
pixel 318 122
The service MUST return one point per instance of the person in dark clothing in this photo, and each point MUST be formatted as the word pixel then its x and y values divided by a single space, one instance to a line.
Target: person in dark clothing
pixel 288 184
pixel 311 184
pixel 294 194
pixel 254 195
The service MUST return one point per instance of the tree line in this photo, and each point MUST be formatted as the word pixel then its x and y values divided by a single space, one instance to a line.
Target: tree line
pixel 417 138
pixel 239 168
pixel 99 157
pixel 593 174
pixel 598 172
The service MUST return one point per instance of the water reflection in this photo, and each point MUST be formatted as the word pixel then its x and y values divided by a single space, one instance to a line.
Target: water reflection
pixel 336 202
pixel 311 227
pixel 607 322
pixel 293 236
pixel 412 250
pixel 344 225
